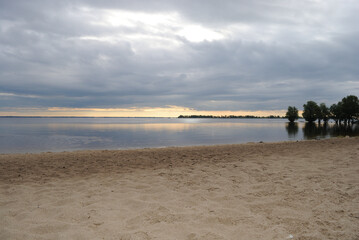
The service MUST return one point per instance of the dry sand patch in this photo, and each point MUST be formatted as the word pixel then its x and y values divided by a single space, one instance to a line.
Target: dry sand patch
pixel 298 190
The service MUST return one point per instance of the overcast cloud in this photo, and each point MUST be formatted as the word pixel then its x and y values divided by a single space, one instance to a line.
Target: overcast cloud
pixel 206 54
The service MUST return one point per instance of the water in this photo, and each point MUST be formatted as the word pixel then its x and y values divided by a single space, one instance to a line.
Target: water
pixel 20 135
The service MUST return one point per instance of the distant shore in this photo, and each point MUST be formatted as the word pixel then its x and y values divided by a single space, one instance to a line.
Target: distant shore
pixel 73 117
pixel 230 116
pixel 305 190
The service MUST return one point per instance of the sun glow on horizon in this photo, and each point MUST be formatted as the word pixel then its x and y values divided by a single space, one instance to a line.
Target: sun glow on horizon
pixel 167 111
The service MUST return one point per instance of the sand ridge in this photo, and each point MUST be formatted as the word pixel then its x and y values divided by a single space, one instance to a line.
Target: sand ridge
pixel 287 190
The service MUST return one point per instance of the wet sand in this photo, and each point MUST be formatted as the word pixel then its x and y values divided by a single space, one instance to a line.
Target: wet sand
pixel 287 190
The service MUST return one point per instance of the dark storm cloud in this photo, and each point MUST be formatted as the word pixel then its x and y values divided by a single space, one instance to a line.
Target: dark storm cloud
pixel 266 54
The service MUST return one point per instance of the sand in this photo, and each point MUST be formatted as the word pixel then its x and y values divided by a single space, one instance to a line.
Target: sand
pixel 288 190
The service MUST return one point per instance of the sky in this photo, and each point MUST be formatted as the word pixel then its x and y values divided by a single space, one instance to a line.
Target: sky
pixel 169 57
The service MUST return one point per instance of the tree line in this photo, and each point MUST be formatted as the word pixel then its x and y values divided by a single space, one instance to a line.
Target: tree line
pixel 226 116
pixel 345 111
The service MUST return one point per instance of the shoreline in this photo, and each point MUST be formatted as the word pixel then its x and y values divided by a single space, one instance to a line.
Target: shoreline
pixel 176 147
pixel 306 189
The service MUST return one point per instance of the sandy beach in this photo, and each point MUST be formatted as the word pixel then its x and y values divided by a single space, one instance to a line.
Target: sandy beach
pixel 287 190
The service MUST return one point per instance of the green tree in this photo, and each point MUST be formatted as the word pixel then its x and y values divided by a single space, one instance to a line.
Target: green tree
pixel 292 114
pixel 324 113
pixel 336 112
pixel 311 111
pixel 350 108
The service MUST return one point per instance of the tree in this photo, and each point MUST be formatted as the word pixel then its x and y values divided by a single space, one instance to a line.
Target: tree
pixel 292 114
pixel 324 113
pixel 350 108
pixel 311 111
pixel 336 112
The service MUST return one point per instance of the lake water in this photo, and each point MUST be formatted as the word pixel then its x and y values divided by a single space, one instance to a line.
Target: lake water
pixel 20 135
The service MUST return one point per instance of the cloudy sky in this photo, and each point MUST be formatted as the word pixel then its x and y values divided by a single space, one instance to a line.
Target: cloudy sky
pixel 165 57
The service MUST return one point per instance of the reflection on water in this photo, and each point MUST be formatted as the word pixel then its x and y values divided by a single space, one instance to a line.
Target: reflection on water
pixel 313 130
pixel 171 127
pixel 68 134
pixel 292 129
pixel 133 127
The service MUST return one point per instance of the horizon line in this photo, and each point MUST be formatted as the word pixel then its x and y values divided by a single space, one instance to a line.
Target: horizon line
pixel 185 116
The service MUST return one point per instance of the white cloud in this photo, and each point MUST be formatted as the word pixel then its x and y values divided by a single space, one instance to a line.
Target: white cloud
pixel 158 28
pixel 197 33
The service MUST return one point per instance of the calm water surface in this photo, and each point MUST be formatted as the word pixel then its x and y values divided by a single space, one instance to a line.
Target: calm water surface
pixel 19 135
